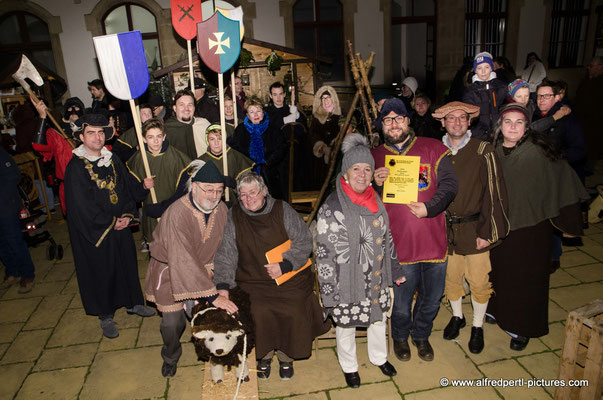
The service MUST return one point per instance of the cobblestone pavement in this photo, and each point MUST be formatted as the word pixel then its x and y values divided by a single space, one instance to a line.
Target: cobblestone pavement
pixel 50 349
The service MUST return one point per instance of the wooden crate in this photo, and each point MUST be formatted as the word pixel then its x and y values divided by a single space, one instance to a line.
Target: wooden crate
pixel 582 353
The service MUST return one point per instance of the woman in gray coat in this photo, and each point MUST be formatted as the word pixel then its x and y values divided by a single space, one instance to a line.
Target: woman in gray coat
pixel 356 260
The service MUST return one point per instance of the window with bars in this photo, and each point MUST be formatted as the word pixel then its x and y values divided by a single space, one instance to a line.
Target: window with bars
pixel 129 17
pixel 485 22
pixel 569 20
pixel 318 29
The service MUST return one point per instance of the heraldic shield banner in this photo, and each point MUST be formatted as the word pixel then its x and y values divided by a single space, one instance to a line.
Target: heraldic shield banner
pixel 218 42
pixel 185 15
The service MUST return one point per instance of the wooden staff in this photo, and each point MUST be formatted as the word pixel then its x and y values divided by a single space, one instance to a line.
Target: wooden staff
pixel 59 130
pixel 234 97
pixel 143 151
pixel 333 160
pixel 355 67
pixel 291 144
pixel 364 75
pixel 223 127
pixel 191 77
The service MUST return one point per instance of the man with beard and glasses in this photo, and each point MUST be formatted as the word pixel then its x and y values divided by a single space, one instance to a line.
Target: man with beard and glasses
pixel 418 229
pixel 183 249
pixel 184 131
pixel 50 144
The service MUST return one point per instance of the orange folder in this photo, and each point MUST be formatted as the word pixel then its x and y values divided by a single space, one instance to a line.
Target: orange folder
pixel 276 255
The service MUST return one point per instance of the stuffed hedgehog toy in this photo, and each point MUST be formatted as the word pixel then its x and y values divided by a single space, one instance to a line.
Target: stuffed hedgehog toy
pixel 219 336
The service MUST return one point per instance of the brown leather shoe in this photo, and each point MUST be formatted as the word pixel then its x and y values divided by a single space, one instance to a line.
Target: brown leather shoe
pixel 402 350
pixel 424 348
pixel 8 281
pixel 25 285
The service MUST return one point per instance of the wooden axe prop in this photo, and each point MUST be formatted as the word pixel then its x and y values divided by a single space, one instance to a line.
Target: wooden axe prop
pixel 27 70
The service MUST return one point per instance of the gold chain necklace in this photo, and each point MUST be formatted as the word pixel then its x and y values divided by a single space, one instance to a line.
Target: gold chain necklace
pixel 106 183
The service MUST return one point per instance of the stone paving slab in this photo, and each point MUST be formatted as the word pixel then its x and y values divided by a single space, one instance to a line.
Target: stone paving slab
pixel 71 287
pixel 562 278
pixel 384 390
pixel 40 289
pixel 60 272
pixel 75 327
pixel 542 366
pixel 496 346
pixel 554 340
pixel 17 310
pixel 449 361
pixel 311 396
pixel 574 258
pixel 12 376
pixel 8 332
pixel 187 384
pixel 138 378
pixel 310 376
pixel 586 273
pixel 59 384
pixel 572 297
pixel 26 347
pixel 80 355
pixel 125 340
pixel 510 369
pixel 455 393
pixel 556 313
pixel 49 312
pixel 149 332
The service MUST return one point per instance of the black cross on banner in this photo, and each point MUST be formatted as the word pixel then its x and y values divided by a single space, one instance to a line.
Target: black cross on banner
pixel 186 13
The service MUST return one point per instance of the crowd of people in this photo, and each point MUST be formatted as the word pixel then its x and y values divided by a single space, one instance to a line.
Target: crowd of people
pixel 502 171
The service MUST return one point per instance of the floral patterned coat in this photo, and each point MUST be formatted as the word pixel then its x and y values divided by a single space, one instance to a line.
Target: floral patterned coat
pixel 364 298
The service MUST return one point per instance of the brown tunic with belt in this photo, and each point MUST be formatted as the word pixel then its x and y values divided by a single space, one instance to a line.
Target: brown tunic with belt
pixel 286 317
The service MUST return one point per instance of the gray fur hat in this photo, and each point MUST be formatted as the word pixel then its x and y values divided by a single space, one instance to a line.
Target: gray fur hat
pixel 355 148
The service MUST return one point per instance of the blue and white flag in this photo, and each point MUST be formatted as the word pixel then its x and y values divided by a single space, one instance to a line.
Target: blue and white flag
pixel 123 64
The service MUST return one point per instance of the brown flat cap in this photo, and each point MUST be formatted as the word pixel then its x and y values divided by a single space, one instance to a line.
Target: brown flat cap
pixel 441 112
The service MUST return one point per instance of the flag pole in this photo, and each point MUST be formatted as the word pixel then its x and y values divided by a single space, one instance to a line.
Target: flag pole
pixel 223 127
pixel 234 97
pixel 143 151
pixel 191 77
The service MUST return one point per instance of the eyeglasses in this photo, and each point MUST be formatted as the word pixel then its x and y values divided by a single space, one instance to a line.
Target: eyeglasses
pixel 212 192
pixel 545 96
pixel 250 195
pixel 387 121
pixel 452 118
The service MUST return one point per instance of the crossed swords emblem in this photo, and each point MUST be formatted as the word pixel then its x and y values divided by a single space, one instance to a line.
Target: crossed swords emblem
pixel 185 13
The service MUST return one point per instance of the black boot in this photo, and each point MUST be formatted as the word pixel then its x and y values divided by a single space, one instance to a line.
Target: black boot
pixel 519 343
pixel 476 342
pixel 452 329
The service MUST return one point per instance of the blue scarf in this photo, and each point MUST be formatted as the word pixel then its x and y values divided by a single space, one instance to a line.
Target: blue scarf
pixel 256 145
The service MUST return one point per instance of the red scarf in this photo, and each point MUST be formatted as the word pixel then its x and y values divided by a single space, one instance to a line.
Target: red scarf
pixel 366 199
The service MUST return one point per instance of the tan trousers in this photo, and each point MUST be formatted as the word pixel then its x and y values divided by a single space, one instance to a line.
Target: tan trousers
pixel 476 268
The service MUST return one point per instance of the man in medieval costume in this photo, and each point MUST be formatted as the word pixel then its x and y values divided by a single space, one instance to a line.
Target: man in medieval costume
pixel 180 271
pixel 100 211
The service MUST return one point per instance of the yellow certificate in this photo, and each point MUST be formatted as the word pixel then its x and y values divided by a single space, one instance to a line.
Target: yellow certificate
pixel 402 184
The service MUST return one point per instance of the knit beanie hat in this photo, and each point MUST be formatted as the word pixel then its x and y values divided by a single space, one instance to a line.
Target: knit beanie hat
pixel 208 173
pixel 396 105
pixel 411 83
pixel 514 86
pixel 483 57
pixel 356 150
